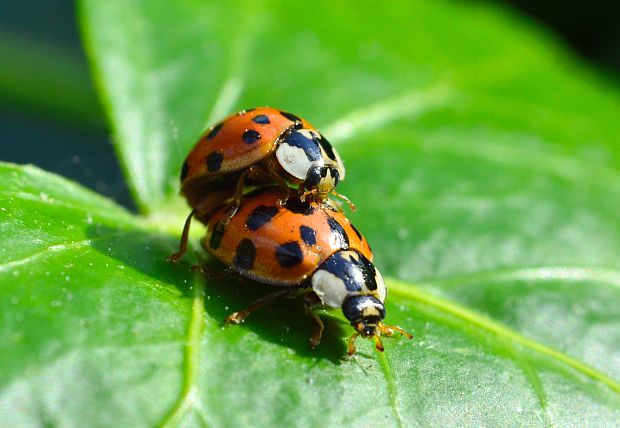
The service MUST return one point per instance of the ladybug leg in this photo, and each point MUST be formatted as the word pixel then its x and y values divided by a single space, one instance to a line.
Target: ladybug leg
pixel 351 344
pixel 311 301
pixel 237 198
pixel 215 274
pixel 266 172
pixel 378 343
pixel 300 191
pixel 304 194
pixel 240 316
pixel 333 205
pixel 281 182
pixel 229 215
pixel 284 200
pixel 184 239
pixel 203 207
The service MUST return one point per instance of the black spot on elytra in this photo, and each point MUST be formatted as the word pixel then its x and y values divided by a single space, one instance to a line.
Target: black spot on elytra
pixel 214 161
pixel 296 206
pixel 329 150
pixel 289 254
pixel 250 136
pixel 184 171
pixel 260 216
pixel 308 235
pixel 308 145
pixel 212 133
pixel 216 236
pixel 262 119
pixel 290 116
pixel 338 232
pixel 244 255
pixel 357 232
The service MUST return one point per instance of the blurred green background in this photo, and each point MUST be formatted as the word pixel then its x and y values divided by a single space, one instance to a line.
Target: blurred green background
pixel 48 119
pixel 58 124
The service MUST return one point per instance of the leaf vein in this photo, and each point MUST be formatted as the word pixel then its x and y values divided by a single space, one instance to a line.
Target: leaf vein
pixel 53 249
pixel 189 391
pixel 413 103
pixel 391 386
pixel 414 293
pixel 534 380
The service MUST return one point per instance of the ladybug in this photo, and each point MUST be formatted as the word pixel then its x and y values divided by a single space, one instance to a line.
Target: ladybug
pixel 306 249
pixel 257 146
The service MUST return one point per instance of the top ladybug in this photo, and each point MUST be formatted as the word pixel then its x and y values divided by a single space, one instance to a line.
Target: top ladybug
pixel 255 147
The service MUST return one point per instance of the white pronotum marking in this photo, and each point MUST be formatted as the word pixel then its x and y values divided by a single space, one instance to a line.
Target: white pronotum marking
pixel 381 290
pixel 293 160
pixel 330 289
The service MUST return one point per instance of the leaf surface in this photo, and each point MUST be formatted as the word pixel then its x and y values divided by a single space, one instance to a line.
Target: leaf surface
pixel 484 163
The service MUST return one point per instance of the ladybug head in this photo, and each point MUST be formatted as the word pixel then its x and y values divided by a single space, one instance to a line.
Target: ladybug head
pixel 309 158
pixel 322 180
pixel 365 314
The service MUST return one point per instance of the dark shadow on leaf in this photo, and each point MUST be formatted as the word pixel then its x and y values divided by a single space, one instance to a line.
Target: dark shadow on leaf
pixel 283 322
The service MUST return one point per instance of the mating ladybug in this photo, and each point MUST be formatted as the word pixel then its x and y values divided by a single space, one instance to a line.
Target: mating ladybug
pixel 257 146
pixel 306 249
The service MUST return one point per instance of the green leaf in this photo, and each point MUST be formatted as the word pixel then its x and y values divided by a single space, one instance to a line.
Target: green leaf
pixel 98 327
pixel 485 166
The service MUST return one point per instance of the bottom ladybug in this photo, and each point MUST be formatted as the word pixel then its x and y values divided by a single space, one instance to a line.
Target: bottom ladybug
pixel 306 249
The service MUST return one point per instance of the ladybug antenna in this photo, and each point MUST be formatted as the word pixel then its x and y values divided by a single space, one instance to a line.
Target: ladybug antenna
pixel 388 330
pixel 307 193
pixel 347 200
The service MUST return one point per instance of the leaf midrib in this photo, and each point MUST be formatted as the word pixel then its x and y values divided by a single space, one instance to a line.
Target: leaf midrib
pixel 189 390
pixel 384 363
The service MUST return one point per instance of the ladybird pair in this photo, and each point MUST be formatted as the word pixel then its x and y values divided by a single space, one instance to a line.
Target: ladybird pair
pixel 294 239
pixel 257 147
